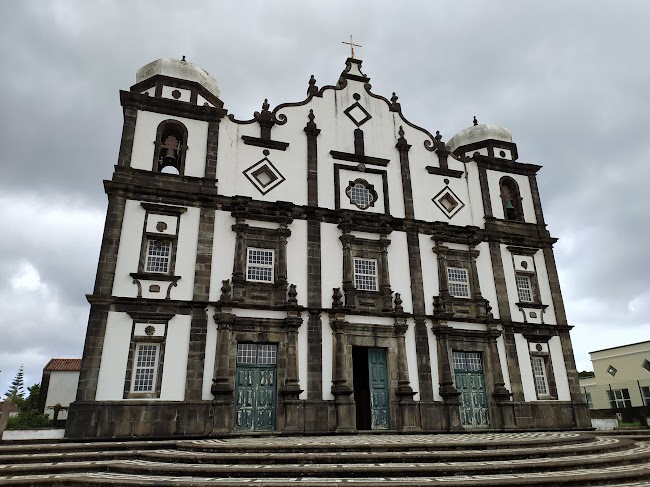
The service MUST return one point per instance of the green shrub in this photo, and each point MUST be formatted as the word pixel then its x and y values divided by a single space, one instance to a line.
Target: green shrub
pixel 28 419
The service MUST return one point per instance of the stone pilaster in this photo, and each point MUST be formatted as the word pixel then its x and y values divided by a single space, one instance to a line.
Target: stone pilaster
pixel 222 383
pixel 450 396
pixel 409 420
pixel 341 384
pixel 502 397
pixel 294 420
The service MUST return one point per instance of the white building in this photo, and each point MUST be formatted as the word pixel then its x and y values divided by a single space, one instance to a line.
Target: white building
pixel 324 266
pixel 59 385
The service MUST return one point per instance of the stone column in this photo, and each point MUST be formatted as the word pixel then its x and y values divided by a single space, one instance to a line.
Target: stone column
pixel 348 270
pixel 346 419
pixel 409 420
pixel 223 382
pixel 502 396
pixel 450 395
pixel 293 407
pixel 239 266
pixel 385 278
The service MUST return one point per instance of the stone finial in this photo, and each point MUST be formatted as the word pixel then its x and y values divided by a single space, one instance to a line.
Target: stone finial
pixel 312 89
pixel 183 59
pixel 336 298
pixel 394 106
pixel 398 303
pixel 292 301
pixel 475 121
pixel 225 290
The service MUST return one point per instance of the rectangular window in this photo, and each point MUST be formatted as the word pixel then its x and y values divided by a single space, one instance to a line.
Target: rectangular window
pixel 365 274
pixel 458 282
pixel 524 289
pixel 645 392
pixel 158 256
pixel 619 398
pixel 259 266
pixel 146 365
pixel 539 374
pixel 589 401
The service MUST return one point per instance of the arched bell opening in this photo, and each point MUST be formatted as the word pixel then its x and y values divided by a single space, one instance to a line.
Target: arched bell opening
pixel 170 147
pixel 511 199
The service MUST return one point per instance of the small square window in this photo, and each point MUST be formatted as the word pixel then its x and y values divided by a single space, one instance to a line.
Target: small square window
pixel 611 370
pixel 365 274
pixel 646 365
pixel 158 256
pixel 619 398
pixel 458 282
pixel 146 365
pixel 524 289
pixel 259 266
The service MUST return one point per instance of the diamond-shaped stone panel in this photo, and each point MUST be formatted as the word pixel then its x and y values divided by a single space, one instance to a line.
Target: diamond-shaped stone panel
pixel 448 202
pixel 264 176
pixel 357 114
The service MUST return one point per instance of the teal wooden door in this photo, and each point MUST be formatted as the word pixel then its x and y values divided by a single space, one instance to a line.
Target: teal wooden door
pixel 255 387
pixel 378 379
pixel 470 382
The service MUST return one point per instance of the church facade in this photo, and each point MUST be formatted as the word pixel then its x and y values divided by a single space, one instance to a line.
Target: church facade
pixel 326 266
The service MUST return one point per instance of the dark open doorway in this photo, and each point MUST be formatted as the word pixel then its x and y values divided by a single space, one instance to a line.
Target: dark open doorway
pixel 361 385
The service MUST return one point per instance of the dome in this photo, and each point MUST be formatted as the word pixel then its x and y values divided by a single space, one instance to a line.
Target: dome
pixel 479 133
pixel 181 70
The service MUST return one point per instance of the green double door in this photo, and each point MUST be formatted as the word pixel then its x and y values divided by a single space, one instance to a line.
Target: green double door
pixel 371 388
pixel 470 383
pixel 255 387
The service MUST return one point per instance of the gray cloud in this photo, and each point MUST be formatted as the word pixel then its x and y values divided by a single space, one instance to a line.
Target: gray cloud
pixel 568 78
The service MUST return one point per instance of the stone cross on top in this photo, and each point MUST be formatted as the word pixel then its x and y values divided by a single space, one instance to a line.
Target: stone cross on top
pixel 352 46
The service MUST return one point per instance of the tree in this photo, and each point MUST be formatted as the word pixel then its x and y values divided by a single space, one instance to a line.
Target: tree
pixel 17 388
pixel 31 402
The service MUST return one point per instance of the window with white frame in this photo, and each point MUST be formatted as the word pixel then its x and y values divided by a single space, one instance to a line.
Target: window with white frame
pixel 146 366
pixel 524 288
pixel 539 375
pixel 365 274
pixel 458 280
pixel 619 398
pixel 158 256
pixel 645 392
pixel 259 265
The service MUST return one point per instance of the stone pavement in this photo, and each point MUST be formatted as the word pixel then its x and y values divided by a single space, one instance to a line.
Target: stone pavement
pixel 489 459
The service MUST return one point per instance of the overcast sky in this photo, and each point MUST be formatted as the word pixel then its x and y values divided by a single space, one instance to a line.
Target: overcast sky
pixel 571 80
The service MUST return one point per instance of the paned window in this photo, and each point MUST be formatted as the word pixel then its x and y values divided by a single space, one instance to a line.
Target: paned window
pixel 467 361
pixel 146 364
pixel 611 370
pixel 158 256
pixel 645 392
pixel 365 274
pixel 361 194
pixel 619 398
pixel 458 282
pixel 589 401
pixel 539 374
pixel 252 353
pixel 524 288
pixel 259 266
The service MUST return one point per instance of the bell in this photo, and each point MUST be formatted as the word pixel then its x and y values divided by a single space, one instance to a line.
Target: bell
pixel 509 205
pixel 169 158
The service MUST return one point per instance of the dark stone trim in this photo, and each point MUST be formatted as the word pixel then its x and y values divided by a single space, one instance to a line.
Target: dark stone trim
pixel 154 276
pixel 490 145
pixel 505 166
pixel 163 209
pixel 403 148
pixel 195 88
pixel 439 171
pixel 182 149
pixel 337 185
pixel 212 150
pixel 537 202
pixel 92 354
pixel 110 245
pixel 527 251
pixel 128 133
pixel 268 143
pixel 166 106
pixel 485 191
pixel 359 158
pixel 135 306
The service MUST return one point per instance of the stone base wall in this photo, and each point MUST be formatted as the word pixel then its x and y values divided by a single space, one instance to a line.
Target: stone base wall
pixel 142 419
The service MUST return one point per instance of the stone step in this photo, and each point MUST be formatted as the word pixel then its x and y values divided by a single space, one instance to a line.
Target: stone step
pixel 621 476
pixel 597 445
pixel 489 459
pixel 639 453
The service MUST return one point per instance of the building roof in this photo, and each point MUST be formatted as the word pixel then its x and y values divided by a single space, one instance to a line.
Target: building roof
pixel 621 346
pixel 63 365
